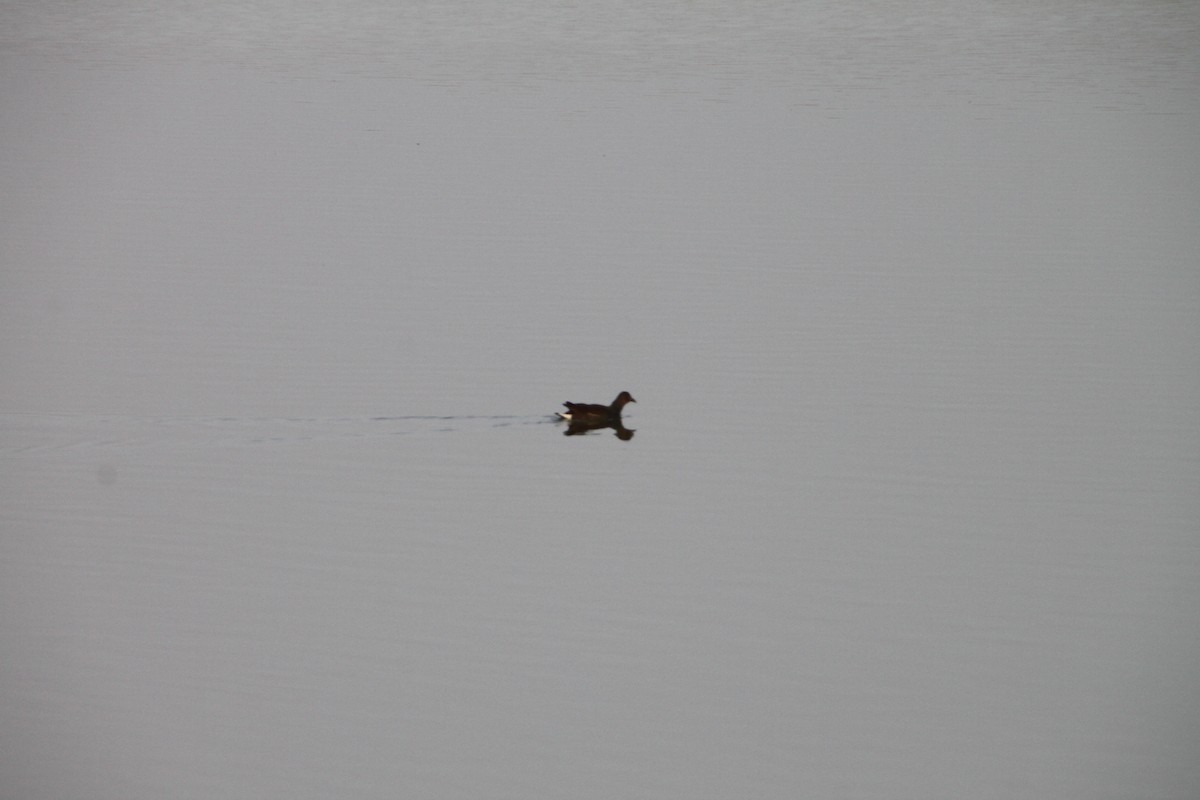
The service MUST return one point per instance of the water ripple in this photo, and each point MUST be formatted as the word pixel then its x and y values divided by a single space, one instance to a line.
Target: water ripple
pixel 34 433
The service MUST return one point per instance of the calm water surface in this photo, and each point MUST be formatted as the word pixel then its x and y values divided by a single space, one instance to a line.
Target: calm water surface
pixel 908 298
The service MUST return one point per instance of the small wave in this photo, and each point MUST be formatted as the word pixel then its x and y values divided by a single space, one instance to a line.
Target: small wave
pixel 31 433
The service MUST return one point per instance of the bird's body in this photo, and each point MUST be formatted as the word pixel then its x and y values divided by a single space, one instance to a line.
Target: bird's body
pixel 594 412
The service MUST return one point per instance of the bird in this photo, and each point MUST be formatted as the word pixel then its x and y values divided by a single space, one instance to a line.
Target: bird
pixel 595 413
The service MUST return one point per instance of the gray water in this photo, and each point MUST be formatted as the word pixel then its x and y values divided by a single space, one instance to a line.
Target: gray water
pixel 908 296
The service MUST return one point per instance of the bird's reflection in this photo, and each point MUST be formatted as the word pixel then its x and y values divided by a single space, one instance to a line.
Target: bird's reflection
pixel 579 427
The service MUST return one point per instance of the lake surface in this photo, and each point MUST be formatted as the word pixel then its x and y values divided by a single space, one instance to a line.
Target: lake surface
pixel 908 296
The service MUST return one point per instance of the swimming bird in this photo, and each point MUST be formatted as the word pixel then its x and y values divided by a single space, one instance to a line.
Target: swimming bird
pixel 594 412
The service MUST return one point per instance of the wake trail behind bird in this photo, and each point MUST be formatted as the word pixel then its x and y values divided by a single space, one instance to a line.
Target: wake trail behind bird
pixel 34 433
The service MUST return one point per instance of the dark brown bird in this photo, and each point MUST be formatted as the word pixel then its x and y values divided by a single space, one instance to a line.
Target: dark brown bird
pixel 594 412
